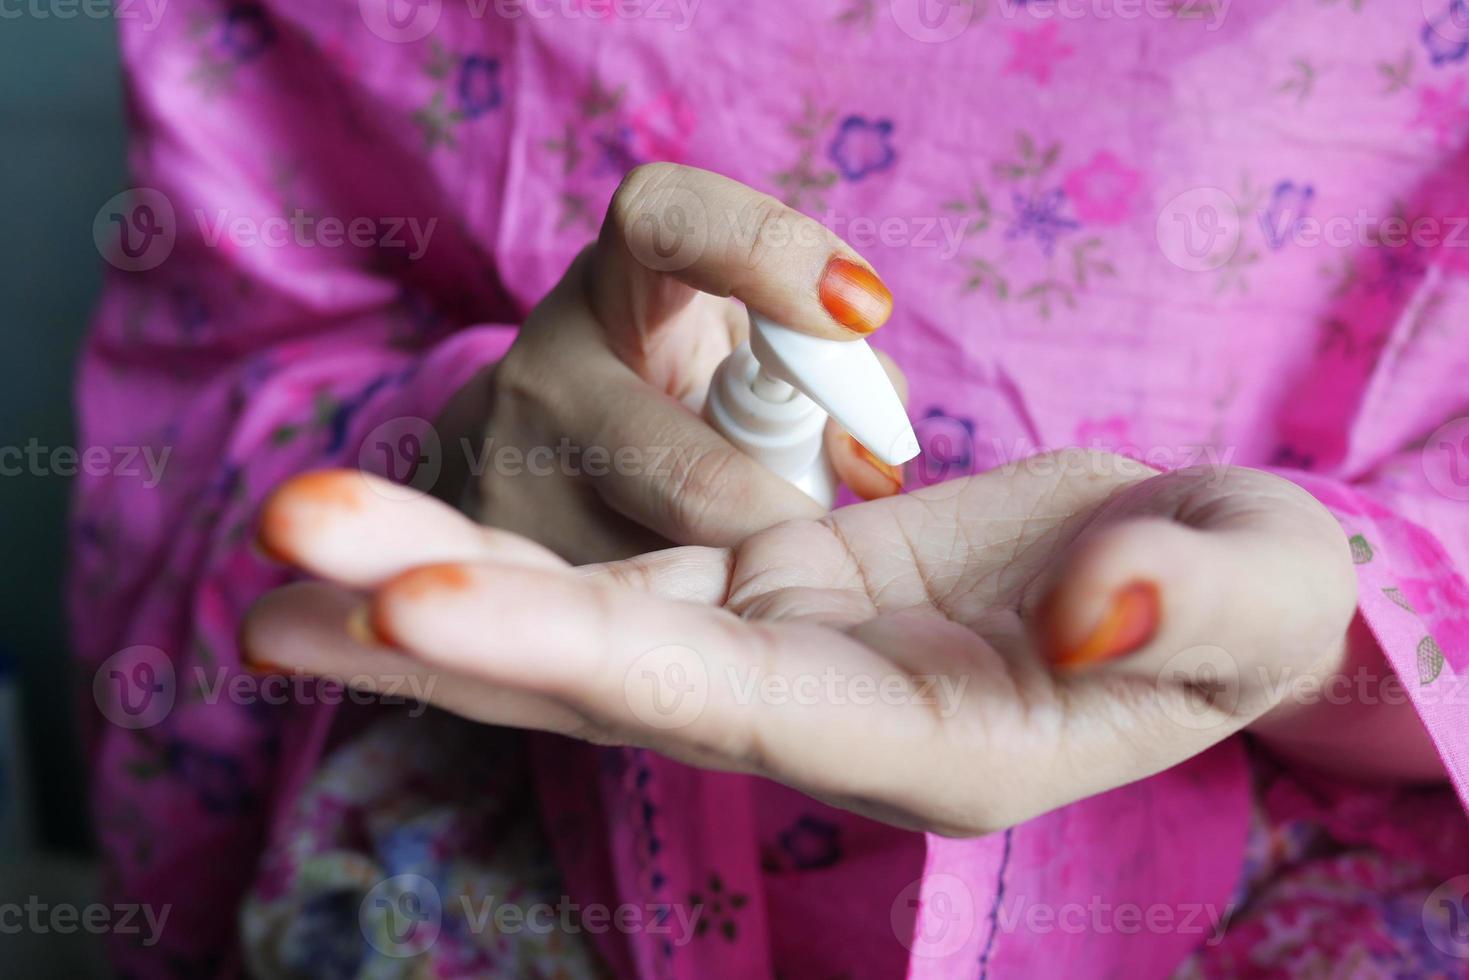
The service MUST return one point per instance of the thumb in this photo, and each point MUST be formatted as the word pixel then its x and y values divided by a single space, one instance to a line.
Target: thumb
pixel 1233 591
pixel 673 231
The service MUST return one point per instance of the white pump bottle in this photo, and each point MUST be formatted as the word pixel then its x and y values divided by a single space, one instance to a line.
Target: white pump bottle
pixel 772 396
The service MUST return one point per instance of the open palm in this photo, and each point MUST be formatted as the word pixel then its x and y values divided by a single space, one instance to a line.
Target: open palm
pixel 950 660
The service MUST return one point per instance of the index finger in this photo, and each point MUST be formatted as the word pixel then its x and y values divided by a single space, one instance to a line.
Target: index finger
pixel 671 230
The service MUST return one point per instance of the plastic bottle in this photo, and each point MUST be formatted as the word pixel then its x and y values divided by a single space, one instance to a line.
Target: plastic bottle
pixel 772 396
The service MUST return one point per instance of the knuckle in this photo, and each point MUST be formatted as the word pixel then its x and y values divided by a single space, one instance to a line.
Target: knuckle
pixel 772 226
pixel 638 188
pixel 701 492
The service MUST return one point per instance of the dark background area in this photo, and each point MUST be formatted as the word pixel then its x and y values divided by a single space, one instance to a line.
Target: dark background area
pixel 61 157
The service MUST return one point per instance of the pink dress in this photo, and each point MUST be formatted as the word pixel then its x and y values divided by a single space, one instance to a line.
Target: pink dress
pixel 1168 229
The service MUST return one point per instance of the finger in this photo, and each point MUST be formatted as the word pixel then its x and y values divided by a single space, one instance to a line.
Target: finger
pixel 1230 590
pixel 867 476
pixel 358 529
pixel 672 230
pixel 683 480
pixel 684 679
pixel 304 628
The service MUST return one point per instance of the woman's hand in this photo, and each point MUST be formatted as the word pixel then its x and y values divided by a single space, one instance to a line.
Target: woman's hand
pixel 958 659
pixel 595 404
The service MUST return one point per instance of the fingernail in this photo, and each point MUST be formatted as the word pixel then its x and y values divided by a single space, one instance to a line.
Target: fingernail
pixel 854 296
pixel 263 549
pixel 1129 623
pixel 360 627
pixel 887 479
pixel 266 668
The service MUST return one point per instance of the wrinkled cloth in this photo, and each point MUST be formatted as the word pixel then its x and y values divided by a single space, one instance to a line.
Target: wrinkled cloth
pixel 1101 230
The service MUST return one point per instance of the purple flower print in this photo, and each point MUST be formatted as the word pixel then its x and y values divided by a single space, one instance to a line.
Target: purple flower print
pixel 1289 203
pixel 862 147
pixel 218 780
pixel 479 86
pixel 617 156
pixel 1447 37
pixel 811 843
pixel 247 31
pixel 1040 217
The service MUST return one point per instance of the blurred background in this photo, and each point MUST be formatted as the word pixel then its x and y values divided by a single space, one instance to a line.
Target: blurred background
pixel 61 158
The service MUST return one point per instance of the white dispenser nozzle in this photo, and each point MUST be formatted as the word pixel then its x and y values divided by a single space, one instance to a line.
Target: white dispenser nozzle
pixel 771 398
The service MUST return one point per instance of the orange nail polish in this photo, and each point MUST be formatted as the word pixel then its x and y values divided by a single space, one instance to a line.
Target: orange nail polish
pixel 887 479
pixel 266 668
pixel 1128 624
pixel 854 296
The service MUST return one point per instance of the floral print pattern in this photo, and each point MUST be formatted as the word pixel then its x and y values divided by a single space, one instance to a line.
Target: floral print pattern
pixel 1055 313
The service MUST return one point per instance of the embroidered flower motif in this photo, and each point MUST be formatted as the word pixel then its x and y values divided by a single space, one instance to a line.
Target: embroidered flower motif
pixel 811 843
pixel 1443 110
pixel 1113 434
pixel 479 86
pixel 247 31
pixel 1039 216
pixel 1289 203
pixel 1036 53
pixel 659 129
pixel 1102 191
pixel 861 147
pixel 717 910
pixel 1447 37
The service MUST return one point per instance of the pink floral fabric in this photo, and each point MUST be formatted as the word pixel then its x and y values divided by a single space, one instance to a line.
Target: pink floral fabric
pixel 1217 233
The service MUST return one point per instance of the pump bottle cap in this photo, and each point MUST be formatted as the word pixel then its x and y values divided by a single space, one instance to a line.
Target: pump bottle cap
pixel 845 378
